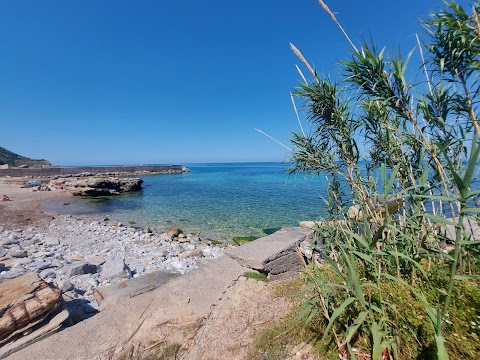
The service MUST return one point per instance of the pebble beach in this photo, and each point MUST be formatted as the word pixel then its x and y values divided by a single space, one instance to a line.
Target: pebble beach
pixel 80 254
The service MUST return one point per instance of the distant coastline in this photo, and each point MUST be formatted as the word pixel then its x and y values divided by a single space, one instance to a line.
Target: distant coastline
pixel 62 171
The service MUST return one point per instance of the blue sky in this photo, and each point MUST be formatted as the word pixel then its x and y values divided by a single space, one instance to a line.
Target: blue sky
pixel 154 81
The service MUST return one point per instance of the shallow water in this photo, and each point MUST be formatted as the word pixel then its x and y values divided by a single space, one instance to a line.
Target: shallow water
pixel 217 200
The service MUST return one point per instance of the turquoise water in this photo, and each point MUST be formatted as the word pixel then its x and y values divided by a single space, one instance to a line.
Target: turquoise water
pixel 217 200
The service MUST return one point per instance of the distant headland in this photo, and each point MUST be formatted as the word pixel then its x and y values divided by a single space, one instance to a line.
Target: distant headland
pixel 11 159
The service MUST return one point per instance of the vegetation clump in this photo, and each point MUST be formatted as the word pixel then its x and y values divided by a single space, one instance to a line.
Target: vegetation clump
pixel 256 276
pixel 240 240
pixel 396 281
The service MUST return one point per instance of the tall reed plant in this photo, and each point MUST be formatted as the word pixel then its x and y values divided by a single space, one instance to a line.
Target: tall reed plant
pixel 384 135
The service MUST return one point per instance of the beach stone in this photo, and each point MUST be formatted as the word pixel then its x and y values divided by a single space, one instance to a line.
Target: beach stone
pixel 190 254
pixel 50 241
pixel 115 268
pixel 165 237
pixel 77 258
pixel 48 274
pixel 64 285
pixel 43 254
pixel 95 260
pixel 93 282
pixel 188 247
pixel 174 231
pixel 22 261
pixel 41 265
pixel 80 268
pixel 11 240
pixel 3 252
pixel 307 224
pixel 178 264
pixel 27 243
pixel 19 253
pixel 212 251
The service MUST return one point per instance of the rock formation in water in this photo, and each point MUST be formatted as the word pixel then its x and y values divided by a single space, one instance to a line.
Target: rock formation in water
pixel 97 186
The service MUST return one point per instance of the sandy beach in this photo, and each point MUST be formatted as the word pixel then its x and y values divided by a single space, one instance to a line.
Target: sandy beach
pixel 25 205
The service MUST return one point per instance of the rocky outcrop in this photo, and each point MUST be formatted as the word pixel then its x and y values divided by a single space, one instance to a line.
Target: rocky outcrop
pixel 97 186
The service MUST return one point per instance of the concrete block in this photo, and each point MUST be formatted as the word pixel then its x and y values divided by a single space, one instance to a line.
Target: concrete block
pixel 276 252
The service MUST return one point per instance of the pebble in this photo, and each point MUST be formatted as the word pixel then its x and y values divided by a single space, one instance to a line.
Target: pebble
pixel 79 255
pixel 51 241
pixel 19 253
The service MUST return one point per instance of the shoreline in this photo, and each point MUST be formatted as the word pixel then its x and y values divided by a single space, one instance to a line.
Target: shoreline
pixel 80 254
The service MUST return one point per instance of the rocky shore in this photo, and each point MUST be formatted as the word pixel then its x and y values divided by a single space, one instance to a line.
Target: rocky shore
pixel 80 254
pixel 90 260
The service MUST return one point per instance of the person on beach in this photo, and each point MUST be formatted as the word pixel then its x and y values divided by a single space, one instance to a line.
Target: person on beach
pixel 6 198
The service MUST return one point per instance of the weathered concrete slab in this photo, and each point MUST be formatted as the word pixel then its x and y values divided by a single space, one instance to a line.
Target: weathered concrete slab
pixel 124 319
pixel 134 287
pixel 274 254
pixel 284 263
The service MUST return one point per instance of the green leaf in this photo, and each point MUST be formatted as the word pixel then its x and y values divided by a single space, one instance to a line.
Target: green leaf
pixel 424 177
pixel 307 308
pixel 442 291
pixel 441 350
pixel 409 259
pixel 378 234
pixel 472 210
pixel 379 345
pixel 354 279
pixel 391 180
pixel 431 312
pixel 438 219
pixel 467 277
pixel 357 237
pixel 470 242
pixel 376 308
pixel 473 193
pixel 352 329
pixel 435 197
pixel 338 311
pixel 472 162
pixel 363 256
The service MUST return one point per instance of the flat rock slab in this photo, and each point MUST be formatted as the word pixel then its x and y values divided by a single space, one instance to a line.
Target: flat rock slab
pixel 274 253
pixel 134 287
pixel 125 320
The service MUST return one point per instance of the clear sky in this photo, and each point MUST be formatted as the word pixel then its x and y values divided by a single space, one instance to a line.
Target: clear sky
pixel 156 81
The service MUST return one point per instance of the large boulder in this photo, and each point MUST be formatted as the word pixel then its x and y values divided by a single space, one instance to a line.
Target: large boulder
pixel 97 186
pixel 25 302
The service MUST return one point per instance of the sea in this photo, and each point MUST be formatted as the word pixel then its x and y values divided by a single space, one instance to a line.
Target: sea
pixel 216 201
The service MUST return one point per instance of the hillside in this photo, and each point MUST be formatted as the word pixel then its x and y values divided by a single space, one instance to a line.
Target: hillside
pixel 12 159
